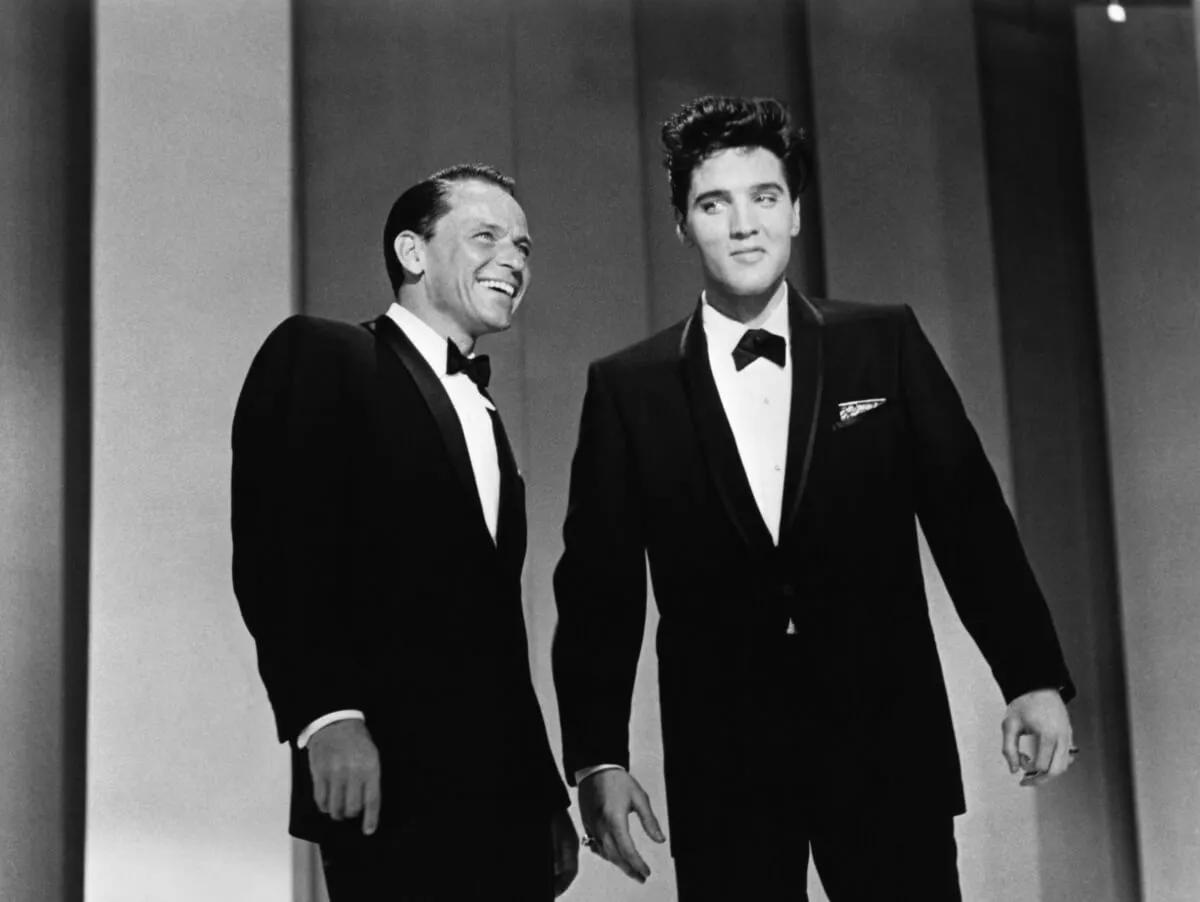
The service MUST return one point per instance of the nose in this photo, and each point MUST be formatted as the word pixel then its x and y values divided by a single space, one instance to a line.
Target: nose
pixel 742 221
pixel 512 257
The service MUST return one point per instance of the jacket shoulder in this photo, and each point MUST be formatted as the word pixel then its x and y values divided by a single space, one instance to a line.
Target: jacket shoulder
pixel 302 337
pixel 660 348
pixel 836 312
pixel 302 327
pixel 302 345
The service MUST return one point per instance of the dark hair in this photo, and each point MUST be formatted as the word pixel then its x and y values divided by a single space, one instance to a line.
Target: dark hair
pixel 709 124
pixel 420 207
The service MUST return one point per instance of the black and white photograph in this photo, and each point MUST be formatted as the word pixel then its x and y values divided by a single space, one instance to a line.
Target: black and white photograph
pixel 599 450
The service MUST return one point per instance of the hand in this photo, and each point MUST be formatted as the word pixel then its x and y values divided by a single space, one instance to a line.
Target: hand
pixel 565 841
pixel 1042 715
pixel 605 800
pixel 345 772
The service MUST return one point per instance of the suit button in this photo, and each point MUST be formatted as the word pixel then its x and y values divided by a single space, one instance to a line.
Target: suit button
pixel 788 590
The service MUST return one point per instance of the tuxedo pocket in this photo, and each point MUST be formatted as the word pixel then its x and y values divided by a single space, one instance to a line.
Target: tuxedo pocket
pixel 851 413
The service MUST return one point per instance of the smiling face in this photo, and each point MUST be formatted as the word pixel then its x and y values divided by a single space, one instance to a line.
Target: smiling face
pixel 474 268
pixel 741 218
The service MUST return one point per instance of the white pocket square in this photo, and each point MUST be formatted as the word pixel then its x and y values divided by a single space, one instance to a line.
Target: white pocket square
pixel 849 411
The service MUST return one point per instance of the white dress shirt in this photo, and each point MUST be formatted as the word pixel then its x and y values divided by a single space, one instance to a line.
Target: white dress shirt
pixel 758 403
pixel 757 400
pixel 473 409
pixel 474 414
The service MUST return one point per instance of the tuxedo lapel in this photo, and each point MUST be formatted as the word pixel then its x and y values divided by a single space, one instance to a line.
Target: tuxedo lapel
pixel 716 440
pixel 430 387
pixel 808 382
pixel 510 522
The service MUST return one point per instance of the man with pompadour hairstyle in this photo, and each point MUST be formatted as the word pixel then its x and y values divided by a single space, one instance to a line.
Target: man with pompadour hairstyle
pixel 771 456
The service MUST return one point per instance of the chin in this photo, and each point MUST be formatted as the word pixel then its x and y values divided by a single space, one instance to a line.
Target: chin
pixel 747 284
pixel 498 324
pixel 495 319
pixel 752 289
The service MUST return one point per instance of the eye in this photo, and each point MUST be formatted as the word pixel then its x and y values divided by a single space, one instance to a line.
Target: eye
pixel 712 206
pixel 486 235
pixel 767 200
pixel 525 250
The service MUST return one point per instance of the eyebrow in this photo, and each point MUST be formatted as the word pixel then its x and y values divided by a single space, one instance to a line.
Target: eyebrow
pixel 722 194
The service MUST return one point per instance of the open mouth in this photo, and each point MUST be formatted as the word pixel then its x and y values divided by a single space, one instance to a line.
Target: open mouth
pixel 497 285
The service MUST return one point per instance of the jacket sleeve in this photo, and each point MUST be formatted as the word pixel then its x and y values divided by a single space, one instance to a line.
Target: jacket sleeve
pixel 600 590
pixel 291 432
pixel 971 531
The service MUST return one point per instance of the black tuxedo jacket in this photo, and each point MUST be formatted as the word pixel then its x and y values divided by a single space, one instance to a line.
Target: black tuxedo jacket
pixel 367 576
pixel 852 706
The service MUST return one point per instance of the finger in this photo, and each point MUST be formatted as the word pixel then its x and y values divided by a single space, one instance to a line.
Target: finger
pixel 637 868
pixel 337 796
pixel 1036 778
pixel 645 813
pixel 320 790
pixel 372 802
pixel 1062 758
pixel 1011 733
pixel 1047 745
pixel 352 799
pixel 1039 776
pixel 591 825
pixel 608 849
pixel 613 854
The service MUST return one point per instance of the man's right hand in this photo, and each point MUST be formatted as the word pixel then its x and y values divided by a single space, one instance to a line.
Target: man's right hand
pixel 345 772
pixel 605 800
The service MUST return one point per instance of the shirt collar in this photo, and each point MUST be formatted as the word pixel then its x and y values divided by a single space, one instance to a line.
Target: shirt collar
pixel 723 333
pixel 424 337
pixel 429 344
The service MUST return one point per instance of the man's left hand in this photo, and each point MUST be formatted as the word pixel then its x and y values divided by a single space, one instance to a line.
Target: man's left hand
pixel 566 850
pixel 1041 715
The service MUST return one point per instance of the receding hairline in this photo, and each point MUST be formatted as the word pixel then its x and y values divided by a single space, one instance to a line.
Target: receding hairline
pixel 464 182
pixel 484 220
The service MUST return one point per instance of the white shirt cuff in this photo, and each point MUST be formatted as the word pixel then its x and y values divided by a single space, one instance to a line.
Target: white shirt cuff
pixel 324 721
pixel 584 772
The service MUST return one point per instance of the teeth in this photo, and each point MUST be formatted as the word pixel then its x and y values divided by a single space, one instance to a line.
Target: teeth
pixel 499 286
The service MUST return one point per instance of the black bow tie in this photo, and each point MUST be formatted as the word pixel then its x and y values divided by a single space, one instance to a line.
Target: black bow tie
pixel 477 368
pixel 759 343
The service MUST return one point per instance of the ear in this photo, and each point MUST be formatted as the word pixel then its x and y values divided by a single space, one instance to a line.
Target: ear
pixel 795 217
pixel 410 251
pixel 681 233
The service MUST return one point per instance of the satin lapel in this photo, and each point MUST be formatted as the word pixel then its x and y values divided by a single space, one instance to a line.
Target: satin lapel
pixel 438 401
pixel 808 380
pixel 716 440
pixel 510 521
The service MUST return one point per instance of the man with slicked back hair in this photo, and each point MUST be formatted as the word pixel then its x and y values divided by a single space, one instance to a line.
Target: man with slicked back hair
pixel 378 539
